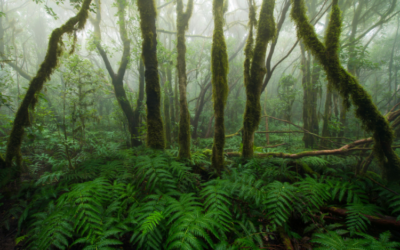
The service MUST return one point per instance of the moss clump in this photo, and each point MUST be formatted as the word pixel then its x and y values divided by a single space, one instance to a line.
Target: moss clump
pixel 254 70
pixel 50 63
pixel 347 85
pixel 182 23
pixel 155 128
pixel 219 70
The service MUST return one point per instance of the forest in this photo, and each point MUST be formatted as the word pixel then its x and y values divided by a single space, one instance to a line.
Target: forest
pixel 200 124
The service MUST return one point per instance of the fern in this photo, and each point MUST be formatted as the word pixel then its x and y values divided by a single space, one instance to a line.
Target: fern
pixel 154 172
pixel 151 222
pixel 314 193
pixel 216 201
pixel 279 200
pixel 189 231
pixel 331 240
pixel 356 220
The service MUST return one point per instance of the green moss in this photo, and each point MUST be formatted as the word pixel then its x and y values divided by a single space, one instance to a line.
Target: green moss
pixel 254 71
pixel 50 63
pixel 155 128
pixel 219 70
pixel 182 23
pixel 347 85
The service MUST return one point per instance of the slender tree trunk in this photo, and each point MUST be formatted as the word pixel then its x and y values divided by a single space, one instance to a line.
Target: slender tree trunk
pixel 155 128
pixel 254 70
pixel 182 23
pixel 171 101
pixel 167 116
pixel 219 68
pixel 209 127
pixel 117 79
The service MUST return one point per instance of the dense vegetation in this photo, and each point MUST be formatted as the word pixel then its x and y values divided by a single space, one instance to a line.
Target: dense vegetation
pixel 216 124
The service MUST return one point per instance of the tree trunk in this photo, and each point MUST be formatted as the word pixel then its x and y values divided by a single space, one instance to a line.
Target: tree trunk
pixel 171 101
pixel 219 68
pixel 167 116
pixel 254 70
pixel 155 128
pixel 182 23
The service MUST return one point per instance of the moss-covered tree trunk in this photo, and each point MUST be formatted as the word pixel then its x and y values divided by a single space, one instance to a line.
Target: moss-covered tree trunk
pixel 182 23
pixel 254 70
pixel 155 128
pixel 219 79
pixel 347 85
pixel 54 51
pixel 309 83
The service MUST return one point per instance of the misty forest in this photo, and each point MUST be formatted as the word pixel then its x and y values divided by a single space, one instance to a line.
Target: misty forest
pixel 200 124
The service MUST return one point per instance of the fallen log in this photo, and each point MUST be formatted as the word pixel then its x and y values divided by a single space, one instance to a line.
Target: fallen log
pixel 381 220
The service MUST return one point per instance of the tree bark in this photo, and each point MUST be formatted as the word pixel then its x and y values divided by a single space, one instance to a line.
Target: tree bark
pixel 182 23
pixel 254 70
pixel 219 69
pixel 155 128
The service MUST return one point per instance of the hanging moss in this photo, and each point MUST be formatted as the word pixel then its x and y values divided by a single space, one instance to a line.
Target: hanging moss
pixel 255 71
pixel 50 63
pixel 219 70
pixel 155 128
pixel 347 85
pixel 182 23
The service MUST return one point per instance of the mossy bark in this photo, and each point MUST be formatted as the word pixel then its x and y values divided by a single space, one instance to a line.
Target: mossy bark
pixel 155 128
pixel 347 85
pixel 50 63
pixel 219 69
pixel 309 83
pixel 254 70
pixel 182 23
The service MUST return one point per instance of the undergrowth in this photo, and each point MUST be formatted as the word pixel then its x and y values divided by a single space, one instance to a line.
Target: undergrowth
pixel 151 201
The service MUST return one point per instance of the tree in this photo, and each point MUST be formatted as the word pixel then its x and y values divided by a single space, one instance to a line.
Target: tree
pixel 155 127
pixel 117 79
pixel 219 68
pixel 182 23
pixel 50 63
pixel 254 70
